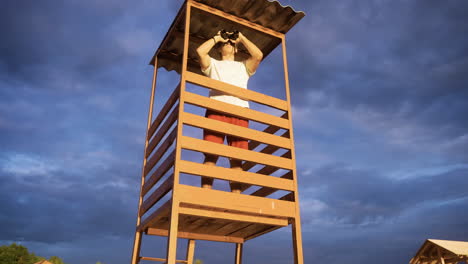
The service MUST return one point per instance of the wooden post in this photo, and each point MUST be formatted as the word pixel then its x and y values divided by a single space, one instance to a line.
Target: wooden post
pixel 190 251
pixel 441 258
pixel 174 220
pixel 239 247
pixel 138 234
pixel 296 222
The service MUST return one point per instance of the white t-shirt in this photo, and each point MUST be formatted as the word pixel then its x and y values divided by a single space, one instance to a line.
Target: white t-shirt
pixel 232 72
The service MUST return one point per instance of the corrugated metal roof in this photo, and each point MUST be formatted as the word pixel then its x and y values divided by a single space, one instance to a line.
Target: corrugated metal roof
pixel 204 25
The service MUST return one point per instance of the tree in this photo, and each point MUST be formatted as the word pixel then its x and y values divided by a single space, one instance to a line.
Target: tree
pixel 17 254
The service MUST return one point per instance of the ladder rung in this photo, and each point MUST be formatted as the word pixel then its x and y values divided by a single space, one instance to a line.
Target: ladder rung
pixel 161 259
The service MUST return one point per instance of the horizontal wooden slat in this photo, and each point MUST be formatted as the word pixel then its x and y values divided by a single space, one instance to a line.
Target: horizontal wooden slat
pixel 235 110
pixel 266 170
pixel 244 94
pixel 164 110
pixel 162 190
pixel 233 201
pixel 196 236
pixel 269 130
pixel 235 175
pixel 233 216
pixel 162 260
pixel 162 130
pixel 157 215
pixel 234 130
pixel 269 149
pixel 233 152
pixel 159 153
pixel 262 232
pixel 265 191
pixel 154 178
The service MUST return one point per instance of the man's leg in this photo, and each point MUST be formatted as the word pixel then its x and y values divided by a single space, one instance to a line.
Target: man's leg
pixel 209 160
pixel 212 137
pixel 238 143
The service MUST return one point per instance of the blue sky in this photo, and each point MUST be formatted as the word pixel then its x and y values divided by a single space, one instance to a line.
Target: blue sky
pixel 380 99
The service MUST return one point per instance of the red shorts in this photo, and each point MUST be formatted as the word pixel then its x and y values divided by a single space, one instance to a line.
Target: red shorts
pixel 219 137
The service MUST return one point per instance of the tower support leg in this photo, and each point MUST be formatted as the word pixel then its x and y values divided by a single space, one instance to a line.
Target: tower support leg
pixel 190 251
pixel 239 247
pixel 297 240
pixel 136 247
pixel 172 236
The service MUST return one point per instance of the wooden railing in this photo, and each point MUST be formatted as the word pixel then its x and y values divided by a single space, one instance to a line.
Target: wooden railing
pixel 161 137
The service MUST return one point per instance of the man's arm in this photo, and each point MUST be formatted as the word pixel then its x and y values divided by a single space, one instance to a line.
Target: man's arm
pixel 205 48
pixel 256 55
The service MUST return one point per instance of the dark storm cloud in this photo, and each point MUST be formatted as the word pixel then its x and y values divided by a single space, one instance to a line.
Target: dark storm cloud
pixel 406 58
pixel 360 197
pixel 50 39
pixel 73 100
pixel 62 207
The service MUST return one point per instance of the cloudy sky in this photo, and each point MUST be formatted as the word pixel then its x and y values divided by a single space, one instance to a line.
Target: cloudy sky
pixel 380 98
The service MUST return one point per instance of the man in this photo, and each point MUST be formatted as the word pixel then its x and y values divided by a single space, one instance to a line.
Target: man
pixel 233 72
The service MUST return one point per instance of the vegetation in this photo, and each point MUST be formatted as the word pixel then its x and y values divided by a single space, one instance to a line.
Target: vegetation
pixel 18 254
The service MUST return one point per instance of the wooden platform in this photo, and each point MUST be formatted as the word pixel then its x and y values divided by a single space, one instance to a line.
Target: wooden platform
pixel 202 217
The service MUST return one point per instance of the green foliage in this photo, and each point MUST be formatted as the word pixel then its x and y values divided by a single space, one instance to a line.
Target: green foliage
pixel 17 254
pixel 99 262
pixel 56 260
pixel 198 261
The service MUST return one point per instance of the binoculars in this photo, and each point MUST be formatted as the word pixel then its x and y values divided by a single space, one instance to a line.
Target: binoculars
pixel 229 35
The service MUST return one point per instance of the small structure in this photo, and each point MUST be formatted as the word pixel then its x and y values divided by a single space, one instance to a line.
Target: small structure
pixel 435 251
pixel 174 210
pixel 43 262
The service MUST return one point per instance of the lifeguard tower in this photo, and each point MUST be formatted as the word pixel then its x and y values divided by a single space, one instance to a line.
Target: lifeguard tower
pixel 167 207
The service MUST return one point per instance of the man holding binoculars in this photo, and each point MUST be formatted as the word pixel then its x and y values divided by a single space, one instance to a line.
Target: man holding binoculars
pixel 233 72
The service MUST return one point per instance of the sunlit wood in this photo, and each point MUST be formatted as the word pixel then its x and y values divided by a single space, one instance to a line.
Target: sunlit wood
pixel 236 175
pixel 235 110
pixel 233 152
pixel 236 91
pixel 230 129
pixel 195 213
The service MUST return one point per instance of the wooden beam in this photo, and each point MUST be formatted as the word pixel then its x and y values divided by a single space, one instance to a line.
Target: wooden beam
pixel 157 215
pixel 265 191
pixel 159 153
pixel 269 130
pixel 190 251
pixel 270 149
pixel 236 19
pixel 267 170
pixel 233 216
pixel 262 232
pixel 441 259
pixel 236 202
pixel 238 257
pixel 234 130
pixel 229 174
pixel 163 112
pixel 296 222
pixel 196 236
pixel 235 110
pixel 233 152
pixel 163 130
pixel 241 93
pixel 165 187
pixel 162 169
pixel 161 259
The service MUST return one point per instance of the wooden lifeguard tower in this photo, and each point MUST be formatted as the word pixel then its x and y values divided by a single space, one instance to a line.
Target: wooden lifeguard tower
pixel 169 208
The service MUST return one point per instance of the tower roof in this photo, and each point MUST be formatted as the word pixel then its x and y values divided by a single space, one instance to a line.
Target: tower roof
pixel 204 25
